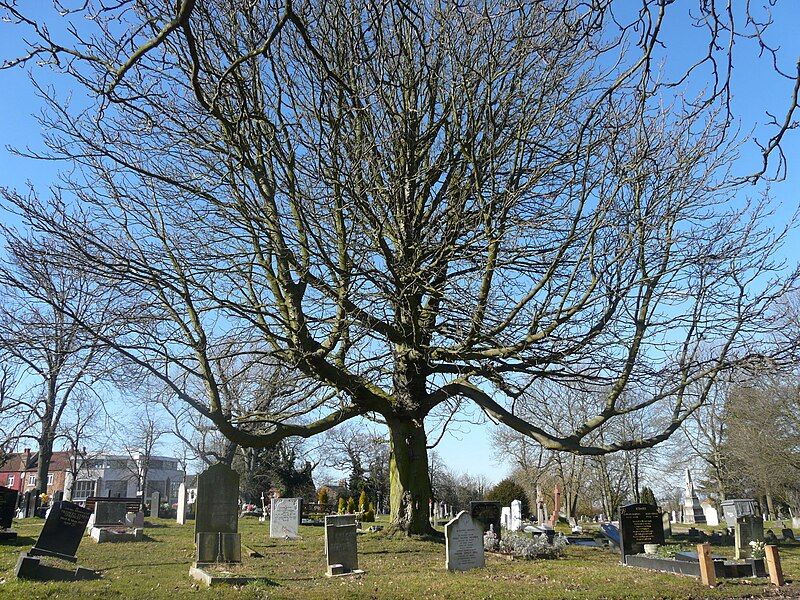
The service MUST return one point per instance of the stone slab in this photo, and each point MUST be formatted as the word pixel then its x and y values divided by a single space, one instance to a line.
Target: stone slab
pixel 341 547
pixel 208 579
pixel 218 548
pixel 30 567
pixel 109 514
pixel 284 517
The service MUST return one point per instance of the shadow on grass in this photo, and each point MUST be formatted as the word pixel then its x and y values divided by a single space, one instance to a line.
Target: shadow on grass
pixel 20 540
pixel 129 565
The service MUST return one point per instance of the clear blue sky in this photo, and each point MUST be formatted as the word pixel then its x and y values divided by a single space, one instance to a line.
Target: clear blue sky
pixel 755 89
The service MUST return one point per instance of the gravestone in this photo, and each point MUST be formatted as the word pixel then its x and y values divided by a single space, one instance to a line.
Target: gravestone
pixel 155 505
pixel 58 496
pixel 8 506
pixel 284 517
pixel 488 514
pixel 795 522
pixel 666 524
pixel 216 524
pixel 505 517
pixel 341 548
pixel 788 535
pixel 62 531
pixel 747 529
pixel 464 543
pixel 134 520
pixel 109 514
pixel 711 514
pixel 181 510
pixel 639 524
pixel 610 531
pixel 770 537
pixel 516 516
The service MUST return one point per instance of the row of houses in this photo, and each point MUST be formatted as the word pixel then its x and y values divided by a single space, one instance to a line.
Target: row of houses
pixel 97 475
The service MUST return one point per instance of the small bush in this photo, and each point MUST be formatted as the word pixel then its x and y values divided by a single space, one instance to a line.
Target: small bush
pixel 342 508
pixel 363 501
pixel 368 516
pixel 322 496
pixel 351 505
pixel 372 507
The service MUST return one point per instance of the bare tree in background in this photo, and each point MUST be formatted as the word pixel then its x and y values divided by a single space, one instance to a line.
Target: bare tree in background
pixel 56 359
pixel 412 205
pixel 142 436
pixel 84 422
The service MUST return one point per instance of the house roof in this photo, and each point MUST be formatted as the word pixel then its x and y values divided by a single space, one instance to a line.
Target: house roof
pixel 16 461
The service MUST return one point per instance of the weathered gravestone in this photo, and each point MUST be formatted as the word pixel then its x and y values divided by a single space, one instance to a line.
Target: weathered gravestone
pixel 711 514
pixel 134 520
pixel 180 515
pixel 737 507
pixel 341 548
pixel 748 528
pixel 788 535
pixel 639 524
pixel 8 506
pixel 155 505
pixel 216 524
pixel 60 538
pixel 666 524
pixel 516 515
pixel 464 543
pixel 488 514
pixel 284 517
pixel 58 496
pixel 611 533
pixel 505 517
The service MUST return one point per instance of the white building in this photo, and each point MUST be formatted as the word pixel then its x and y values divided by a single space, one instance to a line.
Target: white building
pixel 118 476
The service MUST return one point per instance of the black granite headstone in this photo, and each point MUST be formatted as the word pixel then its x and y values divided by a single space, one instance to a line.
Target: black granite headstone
pixel 62 531
pixel 26 500
pixel 488 513
pixel 58 496
pixel 639 524
pixel 8 506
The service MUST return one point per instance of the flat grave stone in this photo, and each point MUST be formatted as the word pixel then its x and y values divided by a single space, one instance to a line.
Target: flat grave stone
pixel 464 543
pixel 488 514
pixel 284 517
pixel 639 524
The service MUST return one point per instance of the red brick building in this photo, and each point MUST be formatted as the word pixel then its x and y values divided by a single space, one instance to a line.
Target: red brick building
pixel 19 469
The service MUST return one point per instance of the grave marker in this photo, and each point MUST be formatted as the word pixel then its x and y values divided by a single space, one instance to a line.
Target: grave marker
pixel 284 517
pixel 341 548
pixel 8 506
pixel 464 543
pixel 155 505
pixel 516 516
pixel 109 514
pixel 216 524
pixel 639 524
pixel 62 531
pixel 180 515
pixel 748 528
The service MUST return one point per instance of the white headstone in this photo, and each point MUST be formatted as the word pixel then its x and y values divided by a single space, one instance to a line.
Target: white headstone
pixel 712 516
pixel 516 515
pixel 284 517
pixel 464 543
pixel 505 517
pixel 181 510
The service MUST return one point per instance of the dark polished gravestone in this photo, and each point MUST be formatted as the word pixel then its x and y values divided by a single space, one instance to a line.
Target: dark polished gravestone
pixel 488 513
pixel 60 538
pixel 216 524
pixel 8 506
pixel 639 524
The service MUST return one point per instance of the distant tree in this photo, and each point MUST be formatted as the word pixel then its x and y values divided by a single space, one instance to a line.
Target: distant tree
pixel 351 505
pixel 363 501
pixel 508 490
pixel 647 496
pixel 342 508
pixel 322 495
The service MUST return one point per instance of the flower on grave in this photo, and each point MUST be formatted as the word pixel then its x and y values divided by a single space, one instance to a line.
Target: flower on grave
pixel 523 546
pixel 757 549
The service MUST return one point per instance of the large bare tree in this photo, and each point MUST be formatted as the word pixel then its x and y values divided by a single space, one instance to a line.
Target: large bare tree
pixel 413 205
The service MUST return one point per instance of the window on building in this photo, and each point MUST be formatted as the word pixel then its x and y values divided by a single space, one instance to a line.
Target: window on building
pixel 49 479
pixel 10 481
pixel 31 479
pixel 118 488
pixel 83 489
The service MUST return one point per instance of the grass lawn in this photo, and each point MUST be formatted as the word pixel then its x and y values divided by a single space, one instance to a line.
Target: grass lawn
pixel 395 568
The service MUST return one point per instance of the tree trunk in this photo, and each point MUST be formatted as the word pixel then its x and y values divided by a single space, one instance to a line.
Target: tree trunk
pixel 45 455
pixel 410 485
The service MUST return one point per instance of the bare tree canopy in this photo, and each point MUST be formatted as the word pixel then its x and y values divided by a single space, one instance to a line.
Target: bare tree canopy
pixel 414 206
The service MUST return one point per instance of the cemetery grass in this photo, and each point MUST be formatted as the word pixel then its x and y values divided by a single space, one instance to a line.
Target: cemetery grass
pixel 395 568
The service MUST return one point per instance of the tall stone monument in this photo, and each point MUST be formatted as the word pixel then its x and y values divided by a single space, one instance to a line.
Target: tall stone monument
pixel 216 524
pixel 692 510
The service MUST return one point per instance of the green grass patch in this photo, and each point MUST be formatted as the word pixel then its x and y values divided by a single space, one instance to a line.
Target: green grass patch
pixel 395 568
